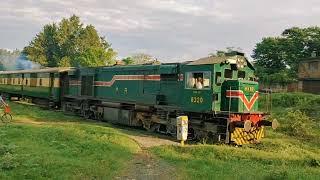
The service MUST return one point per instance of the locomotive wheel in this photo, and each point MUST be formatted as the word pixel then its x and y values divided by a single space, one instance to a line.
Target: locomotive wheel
pixel 100 117
pixel 88 114
pixel 200 136
pixel 154 128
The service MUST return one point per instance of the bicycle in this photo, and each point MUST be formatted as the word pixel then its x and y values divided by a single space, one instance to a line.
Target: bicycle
pixel 6 117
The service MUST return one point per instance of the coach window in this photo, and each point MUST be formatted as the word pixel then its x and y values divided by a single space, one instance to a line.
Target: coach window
pixel 198 80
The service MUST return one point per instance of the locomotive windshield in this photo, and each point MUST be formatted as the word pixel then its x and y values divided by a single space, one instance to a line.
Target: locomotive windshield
pixel 198 80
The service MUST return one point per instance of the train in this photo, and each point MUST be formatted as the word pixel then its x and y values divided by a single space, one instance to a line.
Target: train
pixel 220 96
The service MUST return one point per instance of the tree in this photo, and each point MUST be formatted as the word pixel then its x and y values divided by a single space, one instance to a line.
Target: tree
pixel 128 60
pixel 141 58
pixel 223 53
pixel 269 55
pixel 219 53
pixel 70 43
pixel 282 54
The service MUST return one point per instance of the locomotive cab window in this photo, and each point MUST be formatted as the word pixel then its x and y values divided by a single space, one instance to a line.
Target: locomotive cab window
pixel 218 78
pixel 241 74
pixel 228 73
pixel 198 80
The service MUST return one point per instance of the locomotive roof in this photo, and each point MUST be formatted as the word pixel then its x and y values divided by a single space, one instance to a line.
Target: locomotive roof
pixel 45 70
pixel 217 60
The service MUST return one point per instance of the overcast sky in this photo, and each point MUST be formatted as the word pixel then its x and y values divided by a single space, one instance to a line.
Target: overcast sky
pixel 172 30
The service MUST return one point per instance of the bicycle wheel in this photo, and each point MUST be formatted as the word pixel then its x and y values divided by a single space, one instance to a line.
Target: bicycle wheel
pixel 6 118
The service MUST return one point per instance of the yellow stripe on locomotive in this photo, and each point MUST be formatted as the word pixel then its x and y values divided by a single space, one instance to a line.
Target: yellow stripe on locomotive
pixel 240 136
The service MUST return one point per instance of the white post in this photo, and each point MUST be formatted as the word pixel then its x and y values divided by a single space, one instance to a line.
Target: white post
pixel 182 129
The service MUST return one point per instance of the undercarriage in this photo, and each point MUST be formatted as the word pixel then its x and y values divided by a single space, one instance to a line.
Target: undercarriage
pixel 203 127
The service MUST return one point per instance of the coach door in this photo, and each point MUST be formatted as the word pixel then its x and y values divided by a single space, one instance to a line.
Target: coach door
pixel 87 82
pixel 151 86
pixel 64 83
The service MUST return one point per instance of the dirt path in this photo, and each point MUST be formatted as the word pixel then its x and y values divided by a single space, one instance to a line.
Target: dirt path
pixel 144 166
pixel 147 141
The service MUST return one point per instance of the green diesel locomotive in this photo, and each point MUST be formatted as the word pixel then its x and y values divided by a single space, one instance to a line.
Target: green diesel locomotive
pixel 218 94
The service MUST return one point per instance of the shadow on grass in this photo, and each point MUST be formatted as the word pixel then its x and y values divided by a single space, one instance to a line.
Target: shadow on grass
pixel 36 115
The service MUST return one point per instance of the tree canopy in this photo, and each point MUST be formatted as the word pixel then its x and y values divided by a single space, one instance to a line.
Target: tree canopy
pixel 280 56
pixel 140 58
pixel 70 43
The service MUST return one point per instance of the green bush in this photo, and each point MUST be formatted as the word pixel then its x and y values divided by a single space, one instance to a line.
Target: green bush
pixel 299 124
pixel 307 103
pixel 294 99
pixel 310 107
pixel 4 149
pixel 8 162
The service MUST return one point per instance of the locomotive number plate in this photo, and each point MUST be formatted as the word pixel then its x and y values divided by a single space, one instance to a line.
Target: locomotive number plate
pixel 249 89
pixel 197 100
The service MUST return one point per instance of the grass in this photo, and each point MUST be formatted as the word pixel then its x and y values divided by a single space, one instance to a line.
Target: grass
pixel 46 144
pixel 281 155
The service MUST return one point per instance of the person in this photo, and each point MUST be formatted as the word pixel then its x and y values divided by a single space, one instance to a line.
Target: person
pixel 199 84
pixel 191 83
pixel 2 102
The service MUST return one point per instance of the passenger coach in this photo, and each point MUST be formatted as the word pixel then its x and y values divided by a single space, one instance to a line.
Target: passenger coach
pixel 41 86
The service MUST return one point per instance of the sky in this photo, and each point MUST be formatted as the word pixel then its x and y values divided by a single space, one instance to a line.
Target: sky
pixel 171 30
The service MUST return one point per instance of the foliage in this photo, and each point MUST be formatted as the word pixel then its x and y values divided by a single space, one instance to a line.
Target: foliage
pixel 128 60
pixel 282 54
pixel 8 162
pixel 141 58
pixel 298 114
pixel 223 53
pixel 299 124
pixel 219 53
pixel 306 103
pixel 282 77
pixel 269 55
pixel 70 43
